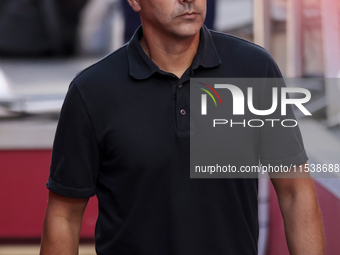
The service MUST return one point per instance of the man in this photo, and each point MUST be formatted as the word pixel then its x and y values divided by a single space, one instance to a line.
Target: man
pixel 123 135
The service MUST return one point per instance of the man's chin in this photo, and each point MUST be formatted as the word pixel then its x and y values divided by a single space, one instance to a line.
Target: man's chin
pixel 188 30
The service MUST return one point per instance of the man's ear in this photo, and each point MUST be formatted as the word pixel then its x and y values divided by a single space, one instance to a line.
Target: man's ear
pixel 135 5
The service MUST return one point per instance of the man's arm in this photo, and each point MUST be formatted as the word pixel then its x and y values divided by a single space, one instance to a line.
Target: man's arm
pixel 62 225
pixel 301 214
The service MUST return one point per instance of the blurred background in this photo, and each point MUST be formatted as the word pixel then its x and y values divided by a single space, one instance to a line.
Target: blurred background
pixel 45 43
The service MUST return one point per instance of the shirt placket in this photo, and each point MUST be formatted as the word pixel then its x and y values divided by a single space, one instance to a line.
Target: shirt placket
pixel 182 106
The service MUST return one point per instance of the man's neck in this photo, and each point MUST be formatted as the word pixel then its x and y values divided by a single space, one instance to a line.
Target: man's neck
pixel 173 55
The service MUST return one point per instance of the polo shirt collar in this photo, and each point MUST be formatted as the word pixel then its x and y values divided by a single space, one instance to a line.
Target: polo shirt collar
pixel 142 67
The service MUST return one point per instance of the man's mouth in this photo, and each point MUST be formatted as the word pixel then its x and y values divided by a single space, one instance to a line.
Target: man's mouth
pixel 189 15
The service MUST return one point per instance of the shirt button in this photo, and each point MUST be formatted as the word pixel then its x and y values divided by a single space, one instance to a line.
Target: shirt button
pixel 183 112
pixel 180 85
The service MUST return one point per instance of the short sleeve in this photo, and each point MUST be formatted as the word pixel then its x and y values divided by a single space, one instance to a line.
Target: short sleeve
pixel 76 153
pixel 280 138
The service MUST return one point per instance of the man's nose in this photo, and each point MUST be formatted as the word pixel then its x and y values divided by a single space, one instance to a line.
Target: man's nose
pixel 186 1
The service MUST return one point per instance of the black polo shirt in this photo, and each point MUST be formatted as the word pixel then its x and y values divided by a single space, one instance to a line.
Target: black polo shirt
pixel 123 135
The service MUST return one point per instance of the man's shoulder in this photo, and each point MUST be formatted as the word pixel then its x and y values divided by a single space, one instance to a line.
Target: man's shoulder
pixel 227 41
pixel 252 59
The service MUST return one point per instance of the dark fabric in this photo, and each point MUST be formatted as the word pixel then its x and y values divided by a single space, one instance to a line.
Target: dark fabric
pixel 22 30
pixel 210 17
pixel 33 28
pixel 70 13
pixel 121 137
